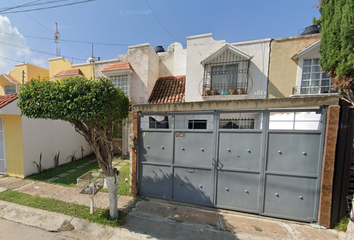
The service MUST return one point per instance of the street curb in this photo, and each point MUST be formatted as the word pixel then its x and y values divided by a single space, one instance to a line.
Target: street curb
pixel 48 221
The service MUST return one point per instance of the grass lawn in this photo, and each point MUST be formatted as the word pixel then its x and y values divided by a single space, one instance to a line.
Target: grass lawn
pixel 70 179
pixel 100 216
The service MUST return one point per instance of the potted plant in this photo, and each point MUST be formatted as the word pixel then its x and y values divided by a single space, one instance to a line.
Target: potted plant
pixel 214 92
pixel 240 91
pixel 232 91
pixel 207 92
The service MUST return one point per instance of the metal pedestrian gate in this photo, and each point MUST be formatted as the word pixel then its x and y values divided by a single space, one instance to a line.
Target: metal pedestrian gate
pixel 265 162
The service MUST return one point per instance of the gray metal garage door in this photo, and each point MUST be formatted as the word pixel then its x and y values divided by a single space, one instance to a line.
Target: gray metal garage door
pixel 260 162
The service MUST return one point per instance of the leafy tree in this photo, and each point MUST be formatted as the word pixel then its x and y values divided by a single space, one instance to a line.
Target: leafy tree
pixel 91 106
pixel 337 43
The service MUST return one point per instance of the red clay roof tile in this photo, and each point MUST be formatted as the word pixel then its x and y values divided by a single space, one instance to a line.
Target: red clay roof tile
pixel 118 66
pixel 168 90
pixel 69 72
pixel 6 99
pixel 11 78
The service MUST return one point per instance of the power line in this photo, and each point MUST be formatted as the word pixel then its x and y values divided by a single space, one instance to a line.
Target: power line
pixel 22 5
pixel 11 59
pixel 39 51
pixel 160 21
pixel 49 7
pixel 49 29
pixel 103 43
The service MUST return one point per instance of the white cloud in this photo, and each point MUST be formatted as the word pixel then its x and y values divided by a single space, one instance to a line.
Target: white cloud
pixel 9 38
pixel 41 62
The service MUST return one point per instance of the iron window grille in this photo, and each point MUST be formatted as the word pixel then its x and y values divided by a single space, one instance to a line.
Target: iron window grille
pixel 236 123
pixel 223 76
pixel 314 80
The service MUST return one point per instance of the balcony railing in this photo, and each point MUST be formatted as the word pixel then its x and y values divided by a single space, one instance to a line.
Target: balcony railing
pixel 314 89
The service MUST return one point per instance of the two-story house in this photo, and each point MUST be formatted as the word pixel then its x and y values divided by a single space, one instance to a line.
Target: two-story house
pixel 237 137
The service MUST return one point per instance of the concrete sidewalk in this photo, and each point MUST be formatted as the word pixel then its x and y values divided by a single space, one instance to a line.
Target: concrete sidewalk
pixel 155 219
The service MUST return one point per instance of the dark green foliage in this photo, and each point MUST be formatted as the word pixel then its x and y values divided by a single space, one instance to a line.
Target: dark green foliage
pixel 337 42
pixel 74 99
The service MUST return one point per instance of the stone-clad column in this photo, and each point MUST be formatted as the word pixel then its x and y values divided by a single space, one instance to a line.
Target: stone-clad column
pixel 329 155
pixel 133 154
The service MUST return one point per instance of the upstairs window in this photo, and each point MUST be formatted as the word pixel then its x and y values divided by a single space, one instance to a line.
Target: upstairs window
pixel 314 80
pixel 10 89
pixel 224 78
pixel 226 71
pixel 123 82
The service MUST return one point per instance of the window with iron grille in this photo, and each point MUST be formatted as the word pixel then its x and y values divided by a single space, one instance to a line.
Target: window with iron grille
pixel 122 81
pixel 314 80
pixel 236 123
pixel 10 89
pixel 221 77
pixel 224 77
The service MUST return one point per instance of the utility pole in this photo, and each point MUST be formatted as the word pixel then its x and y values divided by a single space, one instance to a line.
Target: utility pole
pixel 56 40
pixel 23 77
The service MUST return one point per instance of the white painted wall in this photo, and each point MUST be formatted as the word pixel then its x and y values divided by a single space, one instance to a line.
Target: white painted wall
pixel 145 63
pixel 198 48
pixel 202 46
pixel 49 137
pixel 258 81
pixel 173 61
pixel 295 121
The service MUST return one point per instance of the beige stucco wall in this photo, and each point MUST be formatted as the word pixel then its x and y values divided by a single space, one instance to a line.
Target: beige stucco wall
pixel 282 68
pixel 58 64
pixel 31 71
pixel 145 64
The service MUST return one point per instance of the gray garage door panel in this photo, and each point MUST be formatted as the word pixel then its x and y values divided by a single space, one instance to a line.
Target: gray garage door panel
pixel 194 149
pixel 238 190
pixel 240 150
pixel 290 197
pixel 293 153
pixel 193 186
pixel 156 147
pixel 155 181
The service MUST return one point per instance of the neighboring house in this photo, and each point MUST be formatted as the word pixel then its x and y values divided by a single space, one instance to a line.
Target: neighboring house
pixel 61 68
pixel 135 73
pixel 10 83
pixel 295 70
pixel 22 140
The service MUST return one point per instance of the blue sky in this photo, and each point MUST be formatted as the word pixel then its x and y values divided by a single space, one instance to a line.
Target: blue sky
pixel 133 22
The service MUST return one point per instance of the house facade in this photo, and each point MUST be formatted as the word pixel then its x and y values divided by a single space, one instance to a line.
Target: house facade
pixel 23 140
pixel 10 83
pixel 254 130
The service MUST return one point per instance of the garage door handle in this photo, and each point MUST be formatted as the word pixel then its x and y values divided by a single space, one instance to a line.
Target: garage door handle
pixel 190 171
pixel 216 163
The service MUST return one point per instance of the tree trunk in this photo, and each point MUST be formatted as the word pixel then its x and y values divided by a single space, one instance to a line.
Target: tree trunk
pixel 112 185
